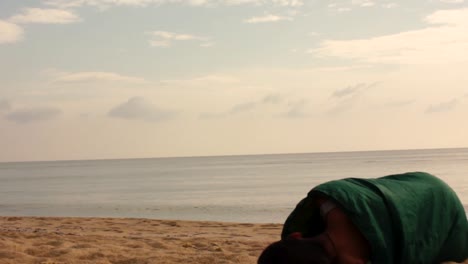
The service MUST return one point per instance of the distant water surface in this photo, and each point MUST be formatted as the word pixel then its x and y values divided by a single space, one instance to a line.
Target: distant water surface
pixel 254 188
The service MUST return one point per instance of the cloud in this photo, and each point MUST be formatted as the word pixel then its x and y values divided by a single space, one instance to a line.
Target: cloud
pixel 343 9
pixel 296 110
pixel 351 4
pixel 216 78
pixel 352 90
pixel 442 107
pixel 363 3
pixel 272 99
pixel 455 18
pixel 340 8
pixel 346 98
pixel 346 91
pixel 33 115
pixel 104 4
pixel 248 106
pixel 266 19
pixel 245 107
pixel 292 3
pixel 165 38
pixel 235 110
pixel 207 44
pixel 203 80
pixel 342 68
pixel 45 16
pixel 4 105
pixel 9 32
pixel 452 1
pixel 390 5
pixel 444 41
pixel 95 76
pixel 138 108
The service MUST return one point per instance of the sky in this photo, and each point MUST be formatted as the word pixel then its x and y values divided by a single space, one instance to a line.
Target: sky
pixel 102 79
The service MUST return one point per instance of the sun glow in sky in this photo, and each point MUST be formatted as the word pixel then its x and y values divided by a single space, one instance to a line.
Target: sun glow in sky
pixel 88 79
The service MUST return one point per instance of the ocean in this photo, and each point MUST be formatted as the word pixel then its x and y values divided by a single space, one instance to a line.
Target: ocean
pixel 251 188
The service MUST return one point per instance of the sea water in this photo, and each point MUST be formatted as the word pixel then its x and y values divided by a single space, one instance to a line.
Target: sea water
pixel 251 188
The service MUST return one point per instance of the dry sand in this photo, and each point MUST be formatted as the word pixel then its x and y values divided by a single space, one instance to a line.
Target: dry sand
pixel 47 240
pixel 52 240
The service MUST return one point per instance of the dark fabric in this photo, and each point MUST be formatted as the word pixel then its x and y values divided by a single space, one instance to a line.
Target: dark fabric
pixel 407 218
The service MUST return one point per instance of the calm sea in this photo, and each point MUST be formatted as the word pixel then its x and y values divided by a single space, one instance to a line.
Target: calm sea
pixel 256 188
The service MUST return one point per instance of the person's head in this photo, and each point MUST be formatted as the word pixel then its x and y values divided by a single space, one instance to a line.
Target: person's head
pixel 295 251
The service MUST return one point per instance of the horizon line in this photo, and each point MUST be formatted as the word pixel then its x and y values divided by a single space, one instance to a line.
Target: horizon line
pixel 234 155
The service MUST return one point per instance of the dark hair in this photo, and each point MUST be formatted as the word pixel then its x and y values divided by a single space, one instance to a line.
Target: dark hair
pixel 294 251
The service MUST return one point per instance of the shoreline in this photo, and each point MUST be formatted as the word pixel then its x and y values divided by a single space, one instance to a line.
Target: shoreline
pixel 131 240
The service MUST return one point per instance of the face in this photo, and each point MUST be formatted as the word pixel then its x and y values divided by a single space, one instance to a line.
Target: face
pixel 294 252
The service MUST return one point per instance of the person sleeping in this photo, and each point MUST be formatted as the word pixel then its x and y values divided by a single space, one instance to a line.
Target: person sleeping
pixel 405 218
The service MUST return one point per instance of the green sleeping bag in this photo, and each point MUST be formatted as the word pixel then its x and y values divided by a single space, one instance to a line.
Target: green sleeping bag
pixel 407 218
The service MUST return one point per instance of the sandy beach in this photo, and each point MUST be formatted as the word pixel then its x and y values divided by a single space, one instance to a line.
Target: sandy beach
pixel 61 240
pixel 47 240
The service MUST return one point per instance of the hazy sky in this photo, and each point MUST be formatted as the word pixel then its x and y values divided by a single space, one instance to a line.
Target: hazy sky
pixel 86 79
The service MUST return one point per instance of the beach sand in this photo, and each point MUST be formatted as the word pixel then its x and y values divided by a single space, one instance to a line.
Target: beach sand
pixel 49 240
pixel 60 240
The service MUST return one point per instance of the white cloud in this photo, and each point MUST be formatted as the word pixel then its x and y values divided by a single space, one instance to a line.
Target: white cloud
pixel 9 32
pixel 138 108
pixel 236 2
pixel 452 1
pixel 45 16
pixel 390 5
pixel 339 8
pixel 343 9
pixel 444 41
pixel 33 115
pixel 266 19
pixel 99 3
pixel 454 17
pixel 173 36
pixel 159 43
pixel 292 3
pixel 104 4
pixel 244 107
pixel 363 3
pixel 95 76
pixel 207 44
pixel 349 5
pixel 165 38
